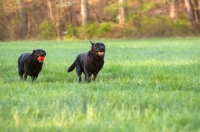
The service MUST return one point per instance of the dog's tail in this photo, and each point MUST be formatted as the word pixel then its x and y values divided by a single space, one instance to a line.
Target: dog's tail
pixel 71 68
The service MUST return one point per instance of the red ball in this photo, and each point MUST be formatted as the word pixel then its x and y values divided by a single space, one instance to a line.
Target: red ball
pixel 41 58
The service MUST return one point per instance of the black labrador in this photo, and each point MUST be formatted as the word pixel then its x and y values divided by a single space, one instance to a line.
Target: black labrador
pixel 31 64
pixel 90 63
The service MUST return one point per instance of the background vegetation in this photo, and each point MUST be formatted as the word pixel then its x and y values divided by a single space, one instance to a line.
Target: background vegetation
pixel 102 19
pixel 145 85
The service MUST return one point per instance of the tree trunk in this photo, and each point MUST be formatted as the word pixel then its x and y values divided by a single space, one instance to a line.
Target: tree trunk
pixel 197 10
pixel 84 11
pixel 122 12
pixel 190 11
pixel 58 23
pixel 174 9
pixel 50 11
pixel 23 19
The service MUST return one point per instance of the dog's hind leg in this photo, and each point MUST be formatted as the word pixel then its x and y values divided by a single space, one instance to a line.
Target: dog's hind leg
pixel 79 72
pixel 79 79
pixel 25 76
pixel 20 72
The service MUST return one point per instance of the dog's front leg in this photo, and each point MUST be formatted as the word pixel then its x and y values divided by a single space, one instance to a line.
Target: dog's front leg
pixel 34 78
pixel 25 76
pixel 87 76
pixel 94 77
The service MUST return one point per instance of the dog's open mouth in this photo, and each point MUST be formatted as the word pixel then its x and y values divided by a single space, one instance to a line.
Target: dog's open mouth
pixel 100 53
pixel 41 58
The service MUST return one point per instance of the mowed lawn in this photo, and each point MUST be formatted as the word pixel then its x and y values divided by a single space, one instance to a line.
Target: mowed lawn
pixel 149 85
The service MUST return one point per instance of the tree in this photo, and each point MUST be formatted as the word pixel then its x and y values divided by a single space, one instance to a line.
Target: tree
pixel 190 11
pixel 23 18
pixel 197 10
pixel 50 11
pixel 84 11
pixel 122 12
pixel 174 9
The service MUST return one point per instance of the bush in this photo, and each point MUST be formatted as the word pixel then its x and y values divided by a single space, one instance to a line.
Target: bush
pixel 157 26
pixel 89 30
pixel 71 32
pixel 135 27
pixel 180 27
pixel 103 30
pixel 111 10
pixel 47 30
pixel 154 27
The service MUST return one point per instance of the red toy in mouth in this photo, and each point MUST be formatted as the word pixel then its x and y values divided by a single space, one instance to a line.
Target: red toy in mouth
pixel 41 58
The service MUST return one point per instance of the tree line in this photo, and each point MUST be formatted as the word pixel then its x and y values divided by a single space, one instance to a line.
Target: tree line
pixel 83 19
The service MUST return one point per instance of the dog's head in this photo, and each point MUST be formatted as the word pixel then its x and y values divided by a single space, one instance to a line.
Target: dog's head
pixel 98 49
pixel 39 54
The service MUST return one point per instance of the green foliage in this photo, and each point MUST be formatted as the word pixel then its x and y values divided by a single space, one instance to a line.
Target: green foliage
pixel 111 10
pixel 158 26
pixel 88 31
pixel 71 32
pixel 154 26
pixel 143 18
pixel 135 26
pixel 147 6
pixel 47 30
pixel 103 30
pixel 179 26
pixel 145 85
pixel 91 30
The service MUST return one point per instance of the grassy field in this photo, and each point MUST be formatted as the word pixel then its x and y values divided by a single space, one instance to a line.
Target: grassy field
pixel 150 85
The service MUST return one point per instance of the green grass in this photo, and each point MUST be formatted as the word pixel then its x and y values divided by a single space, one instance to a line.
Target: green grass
pixel 149 85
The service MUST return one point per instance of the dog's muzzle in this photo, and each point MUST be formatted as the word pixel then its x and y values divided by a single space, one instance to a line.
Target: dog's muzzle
pixel 101 53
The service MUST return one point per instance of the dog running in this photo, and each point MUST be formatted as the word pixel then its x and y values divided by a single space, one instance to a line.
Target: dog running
pixel 30 64
pixel 89 63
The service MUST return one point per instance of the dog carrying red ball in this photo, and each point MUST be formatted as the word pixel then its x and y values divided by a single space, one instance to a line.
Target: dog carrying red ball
pixel 30 64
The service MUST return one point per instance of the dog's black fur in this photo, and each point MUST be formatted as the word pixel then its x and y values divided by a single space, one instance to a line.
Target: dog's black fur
pixel 28 64
pixel 90 63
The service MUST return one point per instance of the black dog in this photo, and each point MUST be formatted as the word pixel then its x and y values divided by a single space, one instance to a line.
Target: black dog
pixel 31 64
pixel 90 63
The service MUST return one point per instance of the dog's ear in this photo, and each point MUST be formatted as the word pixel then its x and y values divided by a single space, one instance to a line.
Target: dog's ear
pixel 92 43
pixel 33 51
